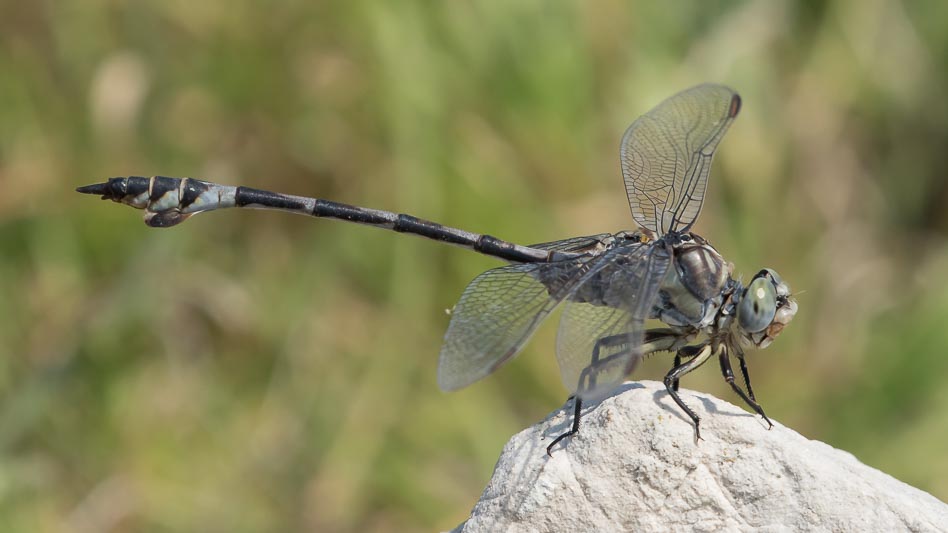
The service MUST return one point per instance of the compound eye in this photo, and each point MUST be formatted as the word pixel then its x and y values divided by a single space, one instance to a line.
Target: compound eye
pixel 758 306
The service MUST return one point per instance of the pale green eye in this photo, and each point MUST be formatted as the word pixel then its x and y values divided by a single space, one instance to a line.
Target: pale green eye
pixel 758 307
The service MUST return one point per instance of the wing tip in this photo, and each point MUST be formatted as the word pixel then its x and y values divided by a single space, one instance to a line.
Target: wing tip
pixel 445 385
pixel 450 383
pixel 735 106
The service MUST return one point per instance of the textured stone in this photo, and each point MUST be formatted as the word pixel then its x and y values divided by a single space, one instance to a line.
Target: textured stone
pixel 634 466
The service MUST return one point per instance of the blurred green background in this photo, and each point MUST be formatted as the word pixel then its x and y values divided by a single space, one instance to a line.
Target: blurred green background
pixel 252 371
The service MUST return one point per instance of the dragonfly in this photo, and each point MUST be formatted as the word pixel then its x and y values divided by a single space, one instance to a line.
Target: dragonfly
pixel 613 286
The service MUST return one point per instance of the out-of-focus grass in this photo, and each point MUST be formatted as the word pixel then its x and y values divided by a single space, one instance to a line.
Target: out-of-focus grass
pixel 254 371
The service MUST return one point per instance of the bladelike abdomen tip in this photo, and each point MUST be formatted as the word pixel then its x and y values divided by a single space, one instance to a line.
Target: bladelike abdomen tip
pixel 101 189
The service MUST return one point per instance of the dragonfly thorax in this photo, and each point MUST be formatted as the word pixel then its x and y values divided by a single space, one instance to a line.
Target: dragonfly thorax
pixel 696 283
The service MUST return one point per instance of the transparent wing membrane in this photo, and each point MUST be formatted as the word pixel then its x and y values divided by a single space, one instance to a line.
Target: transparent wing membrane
pixel 498 312
pixel 666 155
pixel 586 365
pixel 600 335
pixel 574 244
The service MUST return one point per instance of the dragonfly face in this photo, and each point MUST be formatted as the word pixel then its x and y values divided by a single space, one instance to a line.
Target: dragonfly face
pixel 764 308
pixel 694 290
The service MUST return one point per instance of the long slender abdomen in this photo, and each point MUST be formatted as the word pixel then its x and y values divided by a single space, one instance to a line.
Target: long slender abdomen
pixel 170 201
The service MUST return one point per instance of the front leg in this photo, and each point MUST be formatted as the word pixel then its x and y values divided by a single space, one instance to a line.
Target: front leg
pixel 747 378
pixel 728 374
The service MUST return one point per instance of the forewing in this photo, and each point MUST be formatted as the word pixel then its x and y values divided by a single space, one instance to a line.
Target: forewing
pixel 666 155
pixel 574 244
pixel 611 305
pixel 496 315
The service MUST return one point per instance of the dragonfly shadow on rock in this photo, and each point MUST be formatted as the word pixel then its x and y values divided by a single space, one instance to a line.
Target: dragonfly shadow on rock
pixel 661 397
pixel 712 408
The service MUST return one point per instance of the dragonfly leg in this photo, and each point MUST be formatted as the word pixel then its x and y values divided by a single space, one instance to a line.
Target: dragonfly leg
pixel 577 411
pixel 655 340
pixel 685 352
pixel 588 376
pixel 589 373
pixel 747 379
pixel 700 357
pixel 729 377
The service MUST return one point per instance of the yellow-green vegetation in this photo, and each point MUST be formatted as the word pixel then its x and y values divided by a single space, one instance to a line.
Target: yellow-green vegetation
pixel 252 371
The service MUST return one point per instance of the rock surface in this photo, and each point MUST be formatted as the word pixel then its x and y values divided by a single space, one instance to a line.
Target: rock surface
pixel 634 466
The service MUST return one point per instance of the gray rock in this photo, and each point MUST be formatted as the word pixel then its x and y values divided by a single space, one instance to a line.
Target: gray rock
pixel 634 466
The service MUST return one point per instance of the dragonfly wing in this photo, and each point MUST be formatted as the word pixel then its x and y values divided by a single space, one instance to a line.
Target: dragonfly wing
pixel 574 244
pixel 666 155
pixel 610 306
pixel 581 327
pixel 498 312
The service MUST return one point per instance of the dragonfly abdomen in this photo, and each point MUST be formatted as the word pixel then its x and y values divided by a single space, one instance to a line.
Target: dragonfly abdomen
pixel 170 201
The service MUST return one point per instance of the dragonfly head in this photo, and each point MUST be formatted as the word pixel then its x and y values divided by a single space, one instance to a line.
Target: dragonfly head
pixel 764 308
